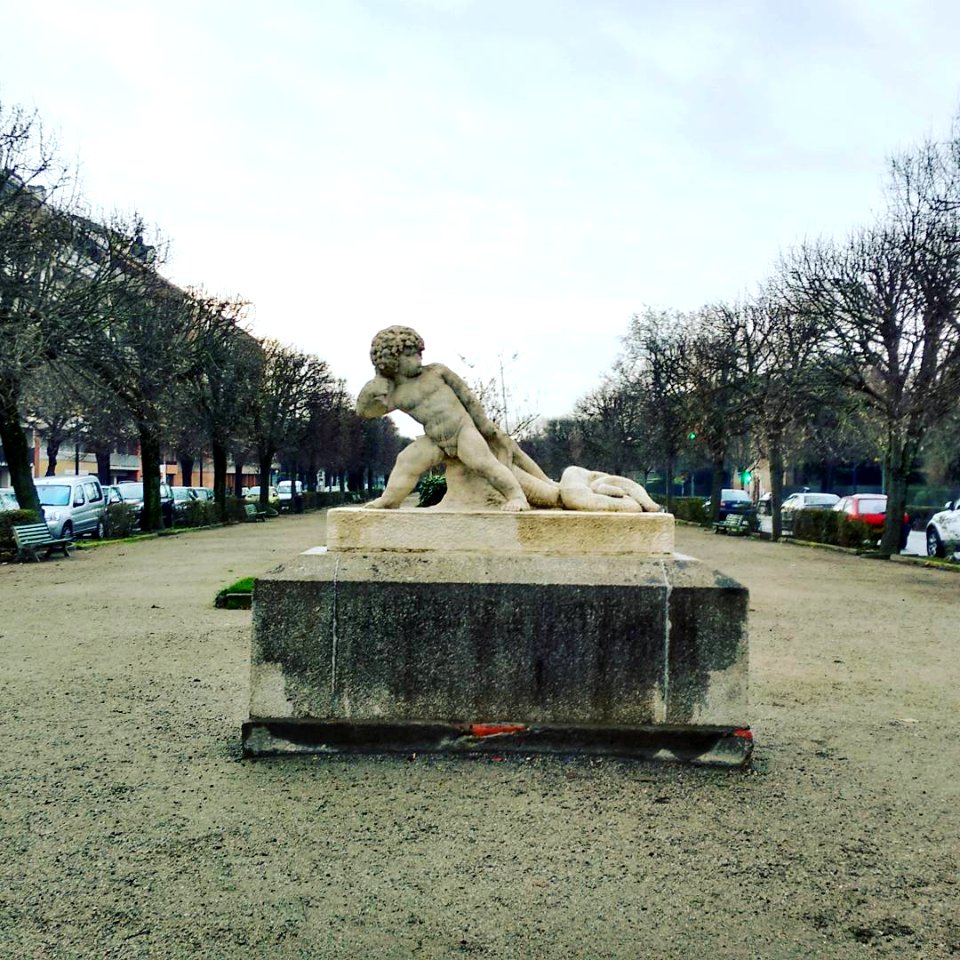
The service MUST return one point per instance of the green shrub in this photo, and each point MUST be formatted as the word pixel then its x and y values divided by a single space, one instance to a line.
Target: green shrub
pixel 690 509
pixel 233 511
pixel 832 527
pixel 855 533
pixel 121 521
pixel 431 489
pixel 8 520
pixel 237 596
pixel 199 513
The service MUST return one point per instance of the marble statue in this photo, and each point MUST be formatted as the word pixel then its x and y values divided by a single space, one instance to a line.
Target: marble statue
pixel 484 465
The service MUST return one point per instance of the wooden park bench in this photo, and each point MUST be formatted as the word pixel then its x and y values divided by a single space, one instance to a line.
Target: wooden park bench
pixel 31 538
pixel 252 513
pixel 733 523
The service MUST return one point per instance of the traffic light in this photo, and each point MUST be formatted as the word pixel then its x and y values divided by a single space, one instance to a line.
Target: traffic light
pixel 746 477
pixel 692 435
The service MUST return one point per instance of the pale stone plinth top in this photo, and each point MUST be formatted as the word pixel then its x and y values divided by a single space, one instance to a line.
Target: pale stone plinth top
pixel 555 532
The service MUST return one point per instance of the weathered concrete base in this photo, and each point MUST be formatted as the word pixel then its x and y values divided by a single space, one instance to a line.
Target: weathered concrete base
pixel 495 533
pixel 602 642
pixel 699 745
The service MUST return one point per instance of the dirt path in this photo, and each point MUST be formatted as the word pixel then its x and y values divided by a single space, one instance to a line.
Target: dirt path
pixel 130 828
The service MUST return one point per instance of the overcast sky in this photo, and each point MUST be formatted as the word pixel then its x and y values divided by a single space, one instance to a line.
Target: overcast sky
pixel 513 178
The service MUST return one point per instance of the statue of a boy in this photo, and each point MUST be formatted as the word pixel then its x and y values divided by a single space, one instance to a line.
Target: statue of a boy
pixel 454 423
pixel 458 432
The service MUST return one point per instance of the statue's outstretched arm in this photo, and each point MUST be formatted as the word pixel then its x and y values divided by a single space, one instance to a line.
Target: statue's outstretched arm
pixel 374 399
pixel 488 429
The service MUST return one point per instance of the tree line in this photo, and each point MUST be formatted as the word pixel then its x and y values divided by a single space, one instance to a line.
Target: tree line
pixel 852 343
pixel 96 344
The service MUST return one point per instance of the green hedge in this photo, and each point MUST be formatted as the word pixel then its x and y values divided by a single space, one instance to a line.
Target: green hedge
pixel 198 513
pixel 690 509
pixel 431 489
pixel 833 527
pixel 121 521
pixel 8 520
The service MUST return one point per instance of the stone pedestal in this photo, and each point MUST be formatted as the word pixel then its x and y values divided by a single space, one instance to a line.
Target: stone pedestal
pixel 512 623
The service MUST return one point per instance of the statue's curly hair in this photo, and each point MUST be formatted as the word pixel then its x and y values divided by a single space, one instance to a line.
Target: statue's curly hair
pixel 389 343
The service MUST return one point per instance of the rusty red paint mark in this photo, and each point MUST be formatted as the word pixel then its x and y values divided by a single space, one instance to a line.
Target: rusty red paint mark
pixel 495 729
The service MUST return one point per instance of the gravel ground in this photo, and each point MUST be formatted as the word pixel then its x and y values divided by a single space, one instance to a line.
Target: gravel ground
pixel 130 827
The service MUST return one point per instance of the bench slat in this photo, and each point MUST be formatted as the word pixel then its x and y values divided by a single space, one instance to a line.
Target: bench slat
pixel 32 537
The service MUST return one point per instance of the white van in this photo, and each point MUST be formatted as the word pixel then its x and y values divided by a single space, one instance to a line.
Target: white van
pixel 73 506
pixel 286 491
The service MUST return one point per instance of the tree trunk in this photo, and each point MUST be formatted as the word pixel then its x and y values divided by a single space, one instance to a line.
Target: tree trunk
pixel 186 469
pixel 775 459
pixel 152 518
pixel 266 462
pixel 716 488
pixel 896 472
pixel 13 438
pixel 668 485
pixel 220 478
pixel 53 448
pixel 237 477
pixel 103 465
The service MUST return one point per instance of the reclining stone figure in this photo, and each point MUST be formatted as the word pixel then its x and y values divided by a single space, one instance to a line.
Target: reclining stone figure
pixel 484 464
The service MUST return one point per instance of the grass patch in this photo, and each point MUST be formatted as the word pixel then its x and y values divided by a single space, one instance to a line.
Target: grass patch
pixel 237 596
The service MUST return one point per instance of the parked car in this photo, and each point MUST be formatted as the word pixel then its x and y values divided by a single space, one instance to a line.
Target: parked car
pixel 201 493
pixel 254 494
pixel 182 497
pixel 943 530
pixel 132 493
pixel 8 499
pixel 286 491
pixel 871 508
pixel 804 500
pixel 73 506
pixel 732 501
pixel 112 493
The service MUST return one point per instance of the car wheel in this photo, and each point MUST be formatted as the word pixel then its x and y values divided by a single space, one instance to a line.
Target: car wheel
pixel 934 544
pixel 67 532
pixel 101 530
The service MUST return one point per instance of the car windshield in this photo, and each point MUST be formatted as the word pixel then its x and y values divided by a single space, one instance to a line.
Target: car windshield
pixel 53 494
pixel 874 505
pixel 734 495
pixel 181 493
pixel 822 499
pixel 284 486
pixel 131 491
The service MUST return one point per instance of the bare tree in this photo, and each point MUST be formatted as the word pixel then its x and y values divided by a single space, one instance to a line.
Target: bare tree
pixel 889 300
pixel 655 347
pixel 717 385
pixel 146 346
pixel 287 382
pixel 51 405
pixel 781 347
pixel 614 428
pixel 51 276
pixel 222 384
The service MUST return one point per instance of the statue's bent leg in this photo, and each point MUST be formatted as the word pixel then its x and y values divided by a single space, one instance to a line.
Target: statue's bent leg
pixel 412 462
pixel 473 452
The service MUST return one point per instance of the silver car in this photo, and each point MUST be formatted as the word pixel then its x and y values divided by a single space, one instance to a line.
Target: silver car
pixel 73 506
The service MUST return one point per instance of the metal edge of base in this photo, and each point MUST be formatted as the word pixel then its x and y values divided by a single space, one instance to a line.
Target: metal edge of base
pixel 700 745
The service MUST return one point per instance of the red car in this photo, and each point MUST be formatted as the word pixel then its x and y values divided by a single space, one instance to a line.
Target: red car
pixel 871 508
